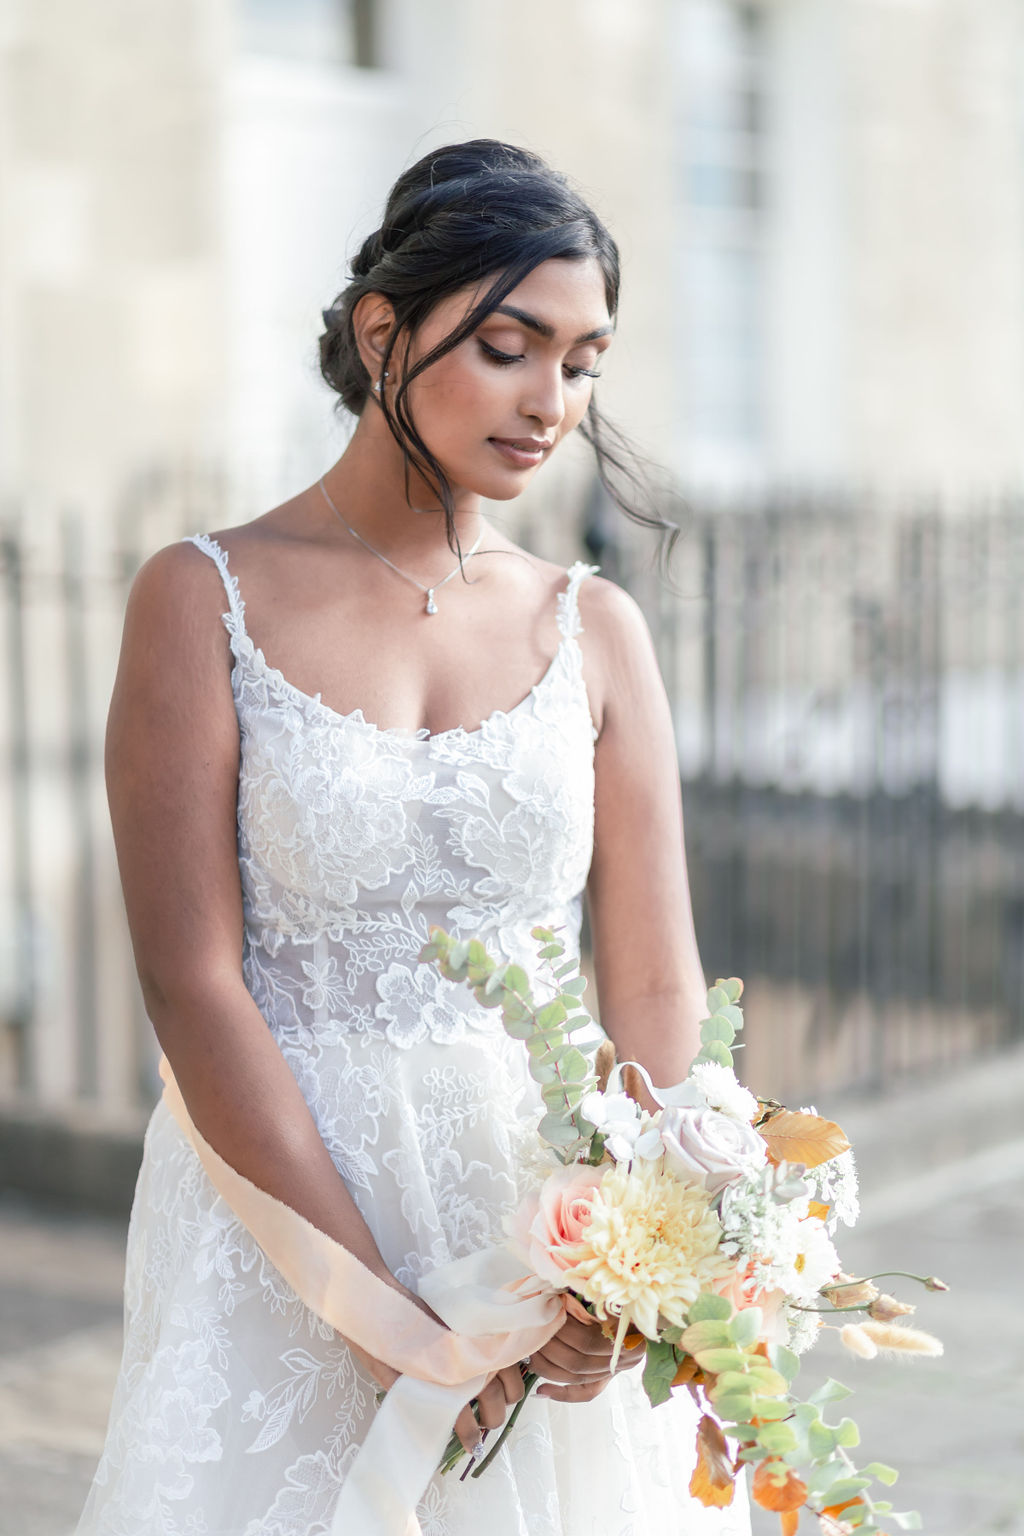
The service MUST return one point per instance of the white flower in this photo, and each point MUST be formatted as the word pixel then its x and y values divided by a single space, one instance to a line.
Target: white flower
pixel 815 1262
pixel 723 1092
pixel 834 1183
pixel 761 1215
pixel 618 1118
pixel 708 1148
pixel 804 1329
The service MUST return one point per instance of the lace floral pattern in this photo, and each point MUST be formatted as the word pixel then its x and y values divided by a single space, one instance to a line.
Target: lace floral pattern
pixel 237 1410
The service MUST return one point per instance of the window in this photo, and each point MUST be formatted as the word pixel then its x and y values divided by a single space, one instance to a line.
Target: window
pixel 718 131
pixel 325 31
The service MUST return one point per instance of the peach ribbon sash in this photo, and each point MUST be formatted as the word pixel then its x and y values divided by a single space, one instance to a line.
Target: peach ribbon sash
pixel 489 1325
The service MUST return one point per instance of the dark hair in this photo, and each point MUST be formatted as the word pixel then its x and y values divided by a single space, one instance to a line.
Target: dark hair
pixel 456 216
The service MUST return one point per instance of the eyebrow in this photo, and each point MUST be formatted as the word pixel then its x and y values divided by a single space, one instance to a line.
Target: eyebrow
pixel 543 329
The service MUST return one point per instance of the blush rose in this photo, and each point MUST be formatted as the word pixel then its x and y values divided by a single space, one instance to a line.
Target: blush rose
pixel 553 1219
pixel 705 1147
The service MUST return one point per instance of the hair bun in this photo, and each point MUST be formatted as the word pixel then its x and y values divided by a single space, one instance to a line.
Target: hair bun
pixel 369 255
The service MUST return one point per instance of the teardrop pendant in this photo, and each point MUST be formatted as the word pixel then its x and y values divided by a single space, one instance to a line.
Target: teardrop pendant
pixel 431 605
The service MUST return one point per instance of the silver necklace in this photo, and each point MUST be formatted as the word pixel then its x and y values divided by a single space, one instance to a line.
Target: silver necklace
pixel 431 605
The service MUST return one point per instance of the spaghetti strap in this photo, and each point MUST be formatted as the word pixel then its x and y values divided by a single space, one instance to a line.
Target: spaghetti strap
pixel 568 601
pixel 234 619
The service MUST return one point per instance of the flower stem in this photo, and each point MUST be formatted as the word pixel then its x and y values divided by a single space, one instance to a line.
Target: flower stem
pixel 529 1382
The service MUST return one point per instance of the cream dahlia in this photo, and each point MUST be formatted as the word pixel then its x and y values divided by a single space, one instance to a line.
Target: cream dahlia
pixel 650 1247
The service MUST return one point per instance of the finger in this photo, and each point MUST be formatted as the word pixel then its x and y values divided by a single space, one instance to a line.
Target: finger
pixel 561 1364
pixel 587 1338
pixel 491 1405
pixel 578 1392
pixel 511 1379
pixel 468 1430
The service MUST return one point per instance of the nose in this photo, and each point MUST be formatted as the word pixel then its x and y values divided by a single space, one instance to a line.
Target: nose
pixel 543 399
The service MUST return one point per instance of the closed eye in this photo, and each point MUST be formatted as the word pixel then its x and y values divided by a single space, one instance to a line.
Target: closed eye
pixel 504 359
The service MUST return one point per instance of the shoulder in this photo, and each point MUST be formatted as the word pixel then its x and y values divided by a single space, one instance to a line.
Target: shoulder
pixel 619 656
pixel 176 603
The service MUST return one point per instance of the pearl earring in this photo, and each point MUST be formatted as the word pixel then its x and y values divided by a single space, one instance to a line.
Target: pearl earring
pixel 379 381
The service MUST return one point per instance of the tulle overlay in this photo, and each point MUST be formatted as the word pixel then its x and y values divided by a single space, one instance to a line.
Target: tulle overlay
pixel 237 1410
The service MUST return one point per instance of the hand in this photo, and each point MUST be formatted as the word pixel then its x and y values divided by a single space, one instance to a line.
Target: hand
pixel 504 1388
pixel 502 1392
pixel 579 1358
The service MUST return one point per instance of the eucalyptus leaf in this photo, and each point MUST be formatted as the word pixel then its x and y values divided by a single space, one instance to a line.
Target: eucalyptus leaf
pixel 845 1488
pixel 847 1434
pixel 734 1407
pixel 777 1438
pixel 710 1333
pixel 717 1052
pixel 557 1132
pixel 718 997
pixel 659 1369
pixel 551 951
pixel 821 1441
pixel 784 1360
pixel 884 1473
pixel 746 1326
pixel 708 1306
pixel 718 1028
pixel 715 1360
pixel 831 1392
pixel 576 987
pixel 552 1014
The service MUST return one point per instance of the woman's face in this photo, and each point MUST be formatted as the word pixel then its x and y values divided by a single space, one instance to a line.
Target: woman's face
pixel 496 407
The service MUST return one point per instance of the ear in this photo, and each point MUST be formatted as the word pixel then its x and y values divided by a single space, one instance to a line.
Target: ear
pixel 373 323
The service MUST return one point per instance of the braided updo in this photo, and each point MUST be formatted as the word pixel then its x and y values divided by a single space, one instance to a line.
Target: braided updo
pixel 458 215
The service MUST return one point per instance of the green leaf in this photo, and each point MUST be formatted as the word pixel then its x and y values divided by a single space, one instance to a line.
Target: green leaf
pixel 732 986
pixel 541 1042
pixel 551 951
pixel 709 1334
pixel 770 1408
pixel 552 1014
pixel 576 987
pixel 733 1407
pixel 733 1014
pixel 520 1028
pixel 659 1369
pixel 767 1381
pixel 777 1438
pixel 746 1326
pixel 831 1392
pixel 566 968
pixel 753 1453
pixel 716 1360
pixel 734 1381
pixel 575 1066
pixel 784 1360
pixel 545 935
pixel 847 1434
pixel 717 1052
pixel 884 1473
pixel 718 997
pixel 517 980
pixel 845 1488
pixel 708 1306
pixel 717 1028
pixel 821 1441
pixel 558 1132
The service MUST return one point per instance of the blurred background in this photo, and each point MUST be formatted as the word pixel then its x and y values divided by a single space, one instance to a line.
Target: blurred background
pixel 820 205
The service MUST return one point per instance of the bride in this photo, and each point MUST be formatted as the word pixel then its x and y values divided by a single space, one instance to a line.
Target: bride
pixel 362 713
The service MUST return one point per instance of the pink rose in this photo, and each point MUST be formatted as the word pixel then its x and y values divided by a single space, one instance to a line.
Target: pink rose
pixel 552 1219
pixel 708 1148
pixel 738 1288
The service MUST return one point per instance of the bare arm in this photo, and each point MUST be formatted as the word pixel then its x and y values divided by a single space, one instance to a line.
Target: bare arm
pixel 172 778
pixel 650 984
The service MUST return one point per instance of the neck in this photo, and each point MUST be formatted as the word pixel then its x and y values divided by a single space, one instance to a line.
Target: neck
pixel 368 487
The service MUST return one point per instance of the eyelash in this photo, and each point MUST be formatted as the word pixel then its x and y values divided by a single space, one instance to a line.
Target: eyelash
pixel 504 359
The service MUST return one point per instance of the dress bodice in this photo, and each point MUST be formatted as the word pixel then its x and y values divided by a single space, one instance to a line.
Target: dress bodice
pixel 354 839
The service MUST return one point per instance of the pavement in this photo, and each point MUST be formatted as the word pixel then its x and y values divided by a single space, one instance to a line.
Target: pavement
pixel 943 1192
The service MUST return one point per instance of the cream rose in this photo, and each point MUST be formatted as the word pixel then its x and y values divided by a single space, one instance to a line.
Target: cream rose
pixel 708 1148
pixel 554 1218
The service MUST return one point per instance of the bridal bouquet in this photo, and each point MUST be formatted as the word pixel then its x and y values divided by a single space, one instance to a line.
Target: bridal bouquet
pixel 702 1229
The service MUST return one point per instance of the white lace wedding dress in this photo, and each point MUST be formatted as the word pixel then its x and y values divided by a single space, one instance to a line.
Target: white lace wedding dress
pixel 237 1410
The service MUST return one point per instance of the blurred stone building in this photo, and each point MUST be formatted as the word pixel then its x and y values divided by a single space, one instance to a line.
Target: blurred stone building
pixel 820 205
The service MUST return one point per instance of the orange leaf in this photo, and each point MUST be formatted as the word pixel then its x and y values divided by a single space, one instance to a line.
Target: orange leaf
pixel 688 1371
pixel 817 1209
pixel 807 1139
pixel 835 1510
pixel 789 1521
pixel 780 1496
pixel 713 1481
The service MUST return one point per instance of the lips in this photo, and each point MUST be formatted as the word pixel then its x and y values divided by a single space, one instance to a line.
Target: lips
pixel 524 451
